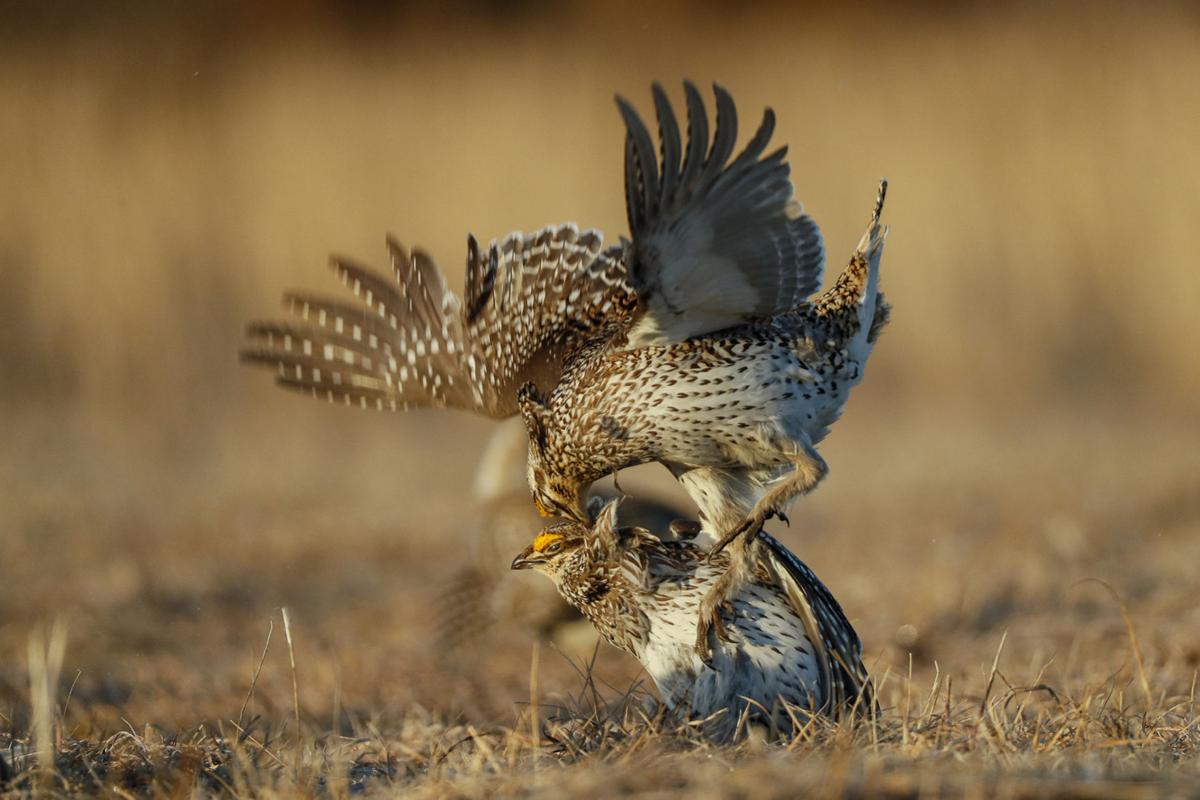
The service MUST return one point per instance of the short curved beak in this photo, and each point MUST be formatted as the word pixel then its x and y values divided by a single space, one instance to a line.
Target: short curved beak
pixel 523 561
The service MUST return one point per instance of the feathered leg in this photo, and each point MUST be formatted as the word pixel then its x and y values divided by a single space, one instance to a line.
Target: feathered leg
pixel 810 469
pixel 743 557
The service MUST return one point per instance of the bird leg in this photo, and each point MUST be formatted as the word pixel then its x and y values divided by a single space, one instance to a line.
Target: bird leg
pixel 749 528
pixel 810 470
pixel 711 620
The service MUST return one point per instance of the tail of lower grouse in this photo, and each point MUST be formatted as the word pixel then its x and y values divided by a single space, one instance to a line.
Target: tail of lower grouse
pixel 854 303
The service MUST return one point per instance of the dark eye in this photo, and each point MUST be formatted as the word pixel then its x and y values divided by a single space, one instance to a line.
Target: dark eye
pixel 554 548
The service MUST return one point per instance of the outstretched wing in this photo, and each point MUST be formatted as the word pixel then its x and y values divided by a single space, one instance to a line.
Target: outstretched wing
pixel 715 242
pixel 412 342
pixel 839 651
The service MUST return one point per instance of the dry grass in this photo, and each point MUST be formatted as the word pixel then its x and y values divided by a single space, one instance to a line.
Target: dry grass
pixel 1026 676
pixel 1019 739
pixel 1028 424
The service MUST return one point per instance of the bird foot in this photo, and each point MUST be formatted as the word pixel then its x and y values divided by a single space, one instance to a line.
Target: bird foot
pixel 710 630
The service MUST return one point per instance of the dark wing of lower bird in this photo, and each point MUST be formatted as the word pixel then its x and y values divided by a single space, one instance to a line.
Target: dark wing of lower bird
pixel 842 671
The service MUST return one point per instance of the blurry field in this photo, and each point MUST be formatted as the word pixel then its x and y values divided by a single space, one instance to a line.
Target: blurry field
pixel 1028 423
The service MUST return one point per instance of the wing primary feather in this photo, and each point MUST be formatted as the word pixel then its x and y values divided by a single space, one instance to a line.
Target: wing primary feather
pixel 493 265
pixel 838 647
pixel 724 138
pixel 362 396
pixel 511 277
pixel 410 302
pixel 285 339
pixel 473 285
pixel 331 315
pixel 668 133
pixel 755 146
pixel 422 286
pixel 770 172
pixel 633 192
pixel 380 296
pixel 643 149
pixel 697 137
pixel 489 278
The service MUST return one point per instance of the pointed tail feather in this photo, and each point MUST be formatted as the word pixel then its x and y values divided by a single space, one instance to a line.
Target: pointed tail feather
pixel 872 247
pixel 855 300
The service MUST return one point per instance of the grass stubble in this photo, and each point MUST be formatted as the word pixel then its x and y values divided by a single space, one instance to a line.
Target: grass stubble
pixel 1019 739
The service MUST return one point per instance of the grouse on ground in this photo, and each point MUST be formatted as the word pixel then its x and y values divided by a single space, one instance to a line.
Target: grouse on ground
pixel 786 648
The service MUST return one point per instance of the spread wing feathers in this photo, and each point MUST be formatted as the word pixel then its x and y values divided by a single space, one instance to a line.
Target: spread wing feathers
pixel 540 298
pixel 411 342
pixel 839 650
pixel 715 241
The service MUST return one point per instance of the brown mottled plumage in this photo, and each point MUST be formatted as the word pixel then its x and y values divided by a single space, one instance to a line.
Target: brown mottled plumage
pixel 787 647
pixel 693 344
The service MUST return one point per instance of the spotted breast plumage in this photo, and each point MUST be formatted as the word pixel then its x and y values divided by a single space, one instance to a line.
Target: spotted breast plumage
pixel 694 344
pixel 789 647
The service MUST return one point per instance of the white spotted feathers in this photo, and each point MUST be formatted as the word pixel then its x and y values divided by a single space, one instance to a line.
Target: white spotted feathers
pixel 412 342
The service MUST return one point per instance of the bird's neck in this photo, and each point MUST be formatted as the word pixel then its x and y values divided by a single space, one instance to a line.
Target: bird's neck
pixel 604 597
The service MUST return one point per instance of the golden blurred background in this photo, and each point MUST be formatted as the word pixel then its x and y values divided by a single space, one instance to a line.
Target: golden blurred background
pixel 170 169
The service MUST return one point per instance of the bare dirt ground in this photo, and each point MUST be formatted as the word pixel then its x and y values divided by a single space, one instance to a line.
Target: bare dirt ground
pixel 1012 519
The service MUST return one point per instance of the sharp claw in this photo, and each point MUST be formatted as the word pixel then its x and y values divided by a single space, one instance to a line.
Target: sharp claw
pixel 703 650
pixel 783 517
pixel 722 631
pixel 710 630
